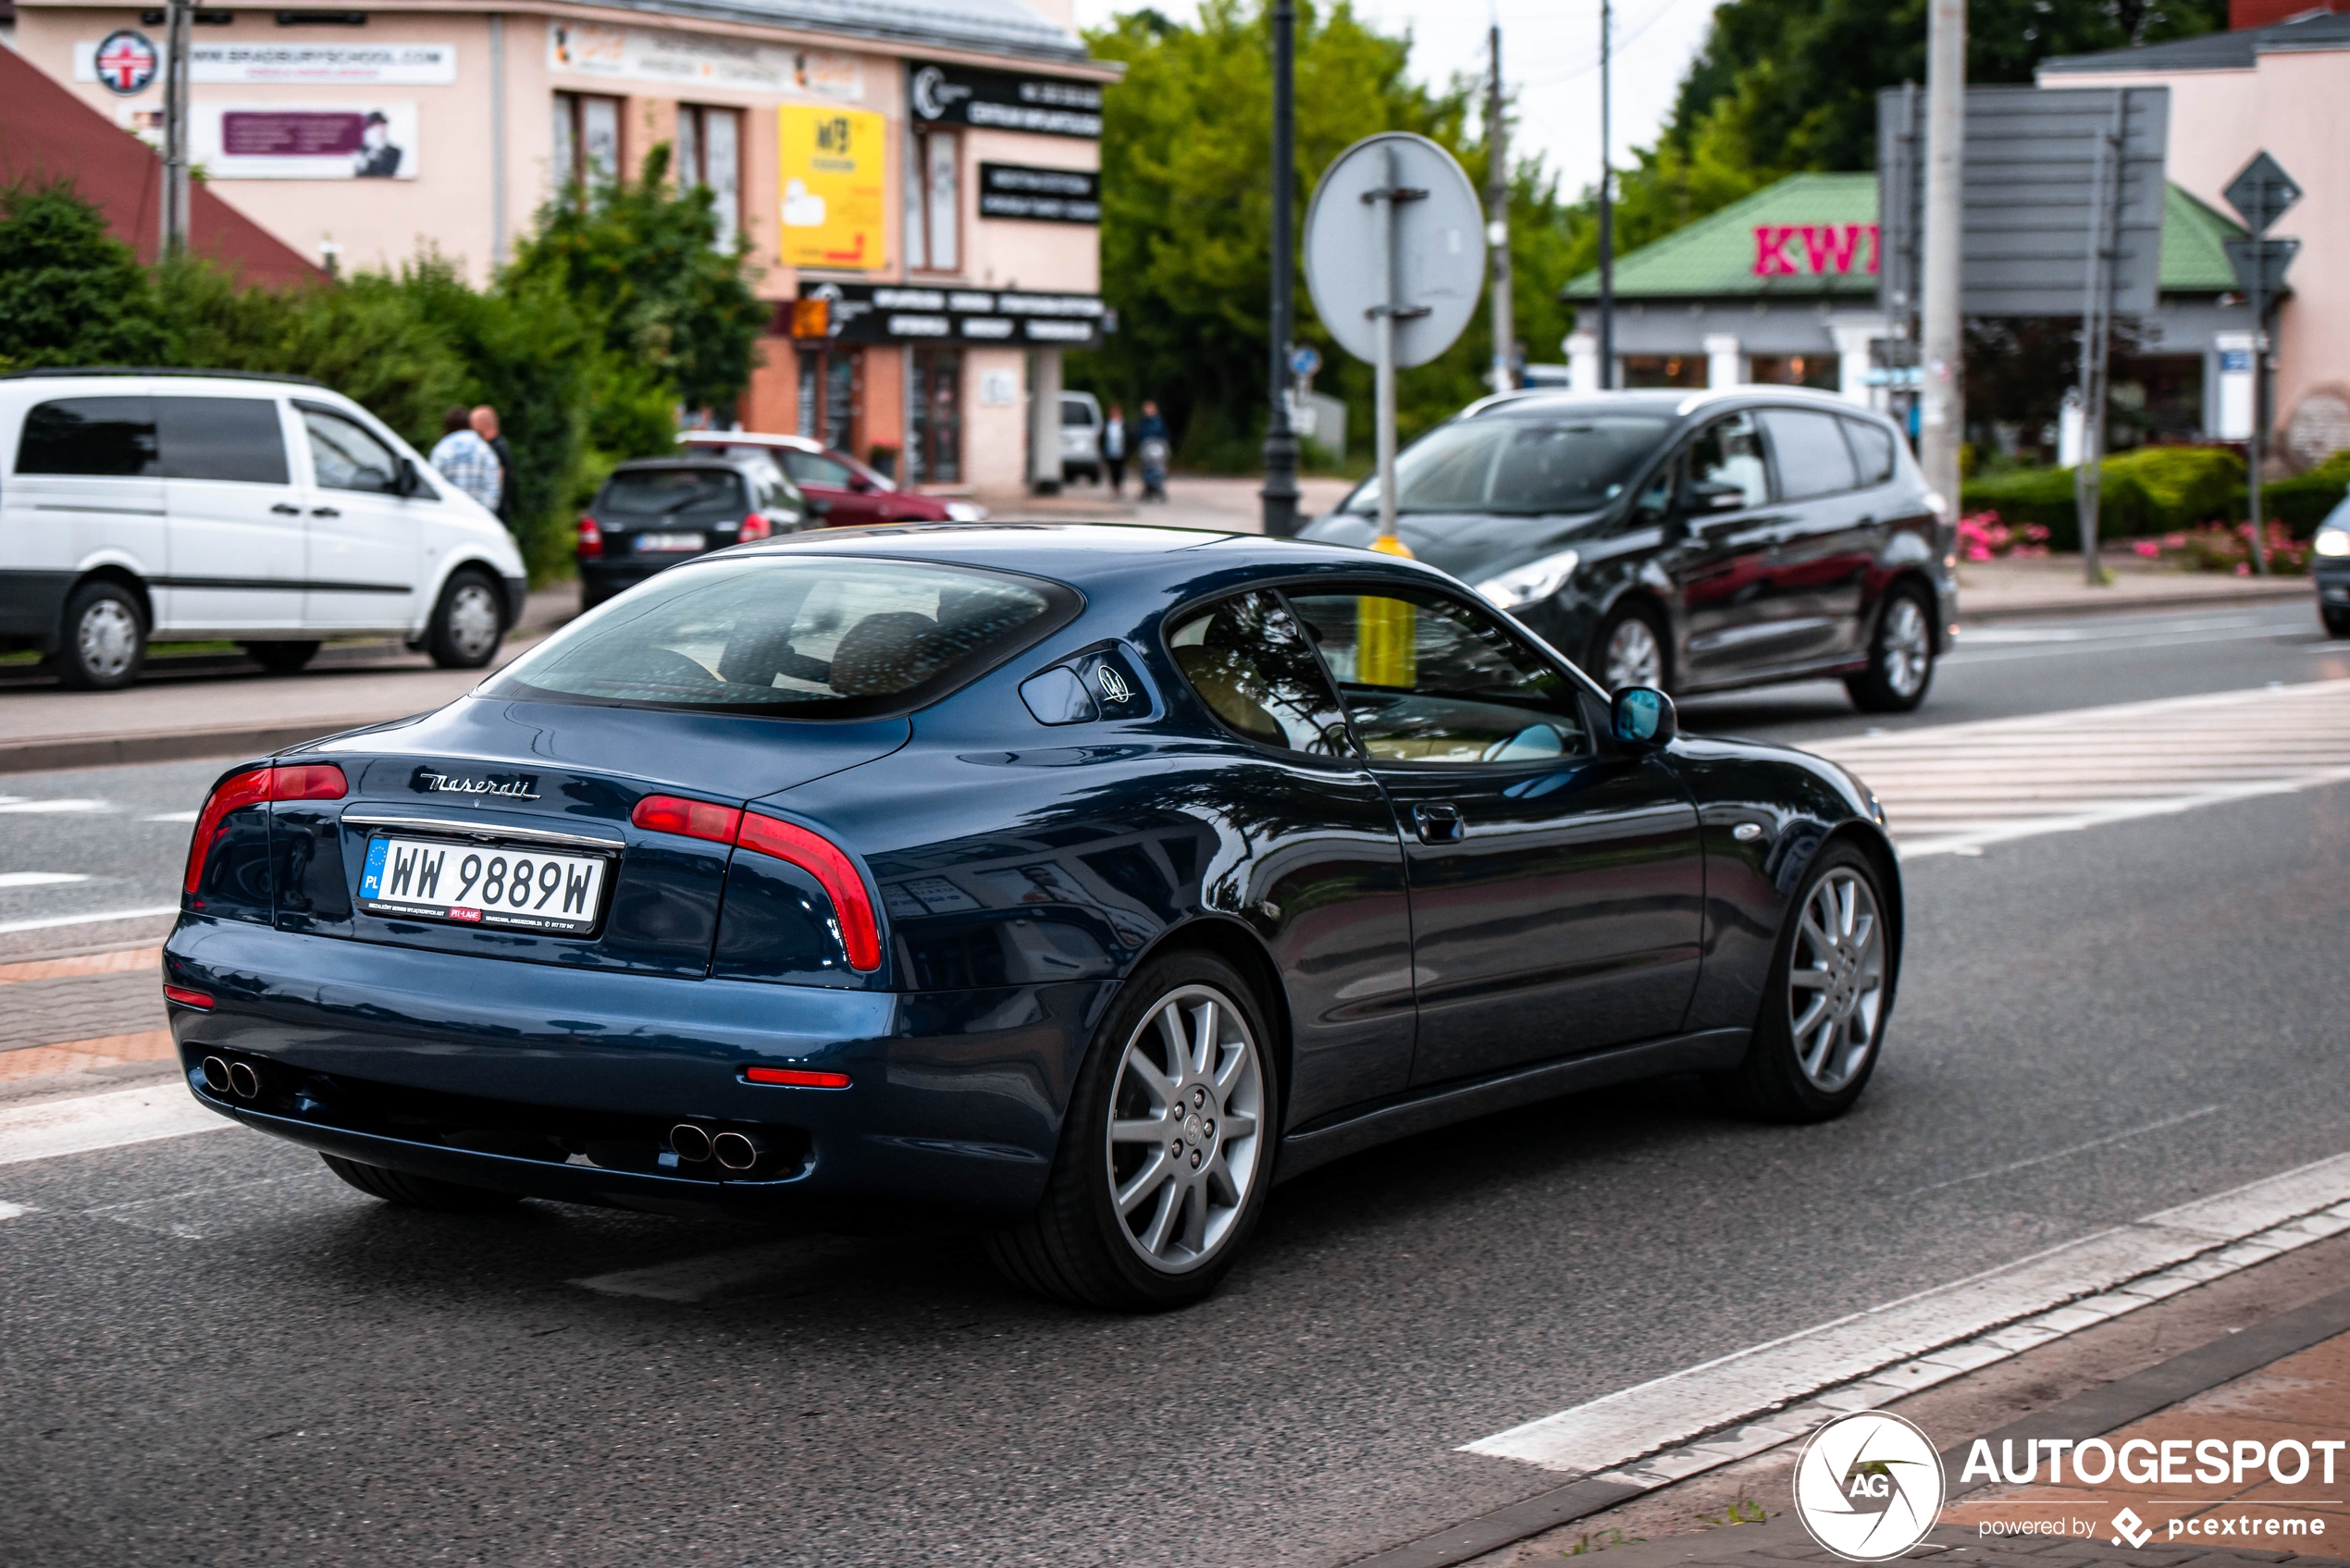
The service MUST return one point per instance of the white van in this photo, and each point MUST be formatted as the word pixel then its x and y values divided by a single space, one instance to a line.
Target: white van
pixel 1081 437
pixel 264 510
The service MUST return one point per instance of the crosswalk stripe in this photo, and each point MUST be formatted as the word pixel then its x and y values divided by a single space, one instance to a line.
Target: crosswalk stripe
pixel 1956 788
pixel 89 1122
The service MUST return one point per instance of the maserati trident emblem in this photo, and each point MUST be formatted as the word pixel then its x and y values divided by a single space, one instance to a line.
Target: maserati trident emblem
pixel 444 784
pixel 1113 685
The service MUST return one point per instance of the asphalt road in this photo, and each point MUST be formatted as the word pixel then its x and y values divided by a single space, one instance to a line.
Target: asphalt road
pixel 211 1350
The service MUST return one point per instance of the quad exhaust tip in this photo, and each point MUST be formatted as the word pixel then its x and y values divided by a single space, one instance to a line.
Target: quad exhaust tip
pixel 243 1081
pixel 216 1075
pixel 738 1151
pixel 691 1142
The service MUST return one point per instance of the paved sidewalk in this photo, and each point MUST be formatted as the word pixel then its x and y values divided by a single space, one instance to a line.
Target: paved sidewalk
pixel 73 1025
pixel 2052 586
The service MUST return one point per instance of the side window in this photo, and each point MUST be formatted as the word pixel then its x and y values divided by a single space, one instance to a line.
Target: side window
pixel 1654 505
pixel 105 438
pixel 1430 680
pixel 1729 451
pixel 347 457
pixel 233 438
pixel 813 468
pixel 1872 450
pixel 1813 459
pixel 1250 661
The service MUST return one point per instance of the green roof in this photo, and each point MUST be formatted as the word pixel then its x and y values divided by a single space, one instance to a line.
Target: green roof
pixel 1818 256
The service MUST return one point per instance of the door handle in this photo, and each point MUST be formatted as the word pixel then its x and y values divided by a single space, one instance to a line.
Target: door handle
pixel 1437 824
pixel 284 509
pixel 324 511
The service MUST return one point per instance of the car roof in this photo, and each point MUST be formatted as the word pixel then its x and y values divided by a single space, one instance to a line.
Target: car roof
pixel 1074 551
pixel 61 373
pixel 671 464
pixel 747 438
pixel 1677 402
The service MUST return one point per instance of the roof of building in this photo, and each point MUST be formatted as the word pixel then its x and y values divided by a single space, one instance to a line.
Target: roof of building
pixel 994 27
pixel 2238 50
pixel 1717 256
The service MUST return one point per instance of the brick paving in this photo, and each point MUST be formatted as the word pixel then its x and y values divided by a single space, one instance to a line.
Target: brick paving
pixel 91 1013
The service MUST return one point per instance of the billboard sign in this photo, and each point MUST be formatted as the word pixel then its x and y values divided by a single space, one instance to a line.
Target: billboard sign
pixel 893 313
pixel 1049 105
pixel 369 140
pixel 832 187
pixel 1040 195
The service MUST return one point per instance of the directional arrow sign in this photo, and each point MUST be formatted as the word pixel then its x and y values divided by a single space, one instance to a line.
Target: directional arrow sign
pixel 2262 192
pixel 2273 257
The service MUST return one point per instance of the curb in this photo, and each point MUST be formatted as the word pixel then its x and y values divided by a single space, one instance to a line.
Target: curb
pixel 169 745
pixel 2088 601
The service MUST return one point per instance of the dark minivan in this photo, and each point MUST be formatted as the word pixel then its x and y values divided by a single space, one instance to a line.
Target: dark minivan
pixel 654 513
pixel 1693 541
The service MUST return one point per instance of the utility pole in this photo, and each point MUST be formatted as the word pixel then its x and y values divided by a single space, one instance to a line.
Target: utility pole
pixel 1607 214
pixel 174 128
pixel 1497 227
pixel 1941 402
pixel 1280 494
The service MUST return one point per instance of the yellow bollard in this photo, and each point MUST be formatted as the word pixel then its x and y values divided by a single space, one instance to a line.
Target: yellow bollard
pixel 1385 651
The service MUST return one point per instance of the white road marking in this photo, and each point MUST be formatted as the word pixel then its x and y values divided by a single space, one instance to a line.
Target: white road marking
pixel 172 817
pixel 2111 1137
pixel 1873 1357
pixel 45 805
pixel 7 926
pixel 10 1211
pixel 1954 788
pixel 698 1279
pixel 90 1123
pixel 38 879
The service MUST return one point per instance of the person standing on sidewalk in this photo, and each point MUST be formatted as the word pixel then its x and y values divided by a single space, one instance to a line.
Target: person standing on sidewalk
pixel 1114 449
pixel 485 423
pixel 463 459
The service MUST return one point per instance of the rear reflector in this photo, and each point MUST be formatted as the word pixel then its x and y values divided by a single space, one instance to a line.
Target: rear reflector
pixel 859 931
pixel 796 1078
pixel 201 1000
pixel 694 819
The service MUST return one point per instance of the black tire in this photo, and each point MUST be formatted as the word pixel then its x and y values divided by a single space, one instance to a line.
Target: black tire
pixel 2337 620
pixel 1076 1246
pixel 469 622
pixel 1900 667
pixel 1772 1083
pixel 102 639
pixel 280 658
pixel 418 1192
pixel 1624 619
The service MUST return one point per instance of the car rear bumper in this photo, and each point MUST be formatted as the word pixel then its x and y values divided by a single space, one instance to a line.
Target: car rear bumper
pixel 562 1082
pixel 608 577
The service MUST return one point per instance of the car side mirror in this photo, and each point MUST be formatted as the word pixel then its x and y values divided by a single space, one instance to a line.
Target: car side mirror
pixel 859 483
pixel 1642 716
pixel 407 481
pixel 1717 496
pixel 819 508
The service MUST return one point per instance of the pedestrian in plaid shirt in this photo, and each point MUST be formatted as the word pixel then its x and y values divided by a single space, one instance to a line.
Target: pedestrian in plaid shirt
pixel 465 460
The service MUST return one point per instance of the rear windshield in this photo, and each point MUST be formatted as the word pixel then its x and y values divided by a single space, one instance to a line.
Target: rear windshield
pixel 799 637
pixel 664 492
pixel 1520 465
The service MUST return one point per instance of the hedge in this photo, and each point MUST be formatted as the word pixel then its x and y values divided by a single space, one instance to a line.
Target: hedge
pixel 2156 490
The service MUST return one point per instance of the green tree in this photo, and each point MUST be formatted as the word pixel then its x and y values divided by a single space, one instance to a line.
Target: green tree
pixel 70 294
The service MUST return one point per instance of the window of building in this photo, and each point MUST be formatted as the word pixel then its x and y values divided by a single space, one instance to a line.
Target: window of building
pixel 827 396
pixel 710 153
pixel 1663 370
pixel 934 444
pixel 934 201
pixel 587 139
pixel 1821 372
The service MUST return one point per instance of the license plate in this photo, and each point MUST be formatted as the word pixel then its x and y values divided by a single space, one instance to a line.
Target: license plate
pixel 647 543
pixel 473 885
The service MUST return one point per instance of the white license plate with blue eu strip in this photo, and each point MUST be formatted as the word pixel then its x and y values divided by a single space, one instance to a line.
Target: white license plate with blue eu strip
pixel 477 884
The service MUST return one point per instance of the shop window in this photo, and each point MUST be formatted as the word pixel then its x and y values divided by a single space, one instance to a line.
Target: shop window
pixel 710 153
pixel 2157 400
pixel 1663 370
pixel 934 201
pixel 827 396
pixel 587 139
pixel 1822 373
pixel 934 445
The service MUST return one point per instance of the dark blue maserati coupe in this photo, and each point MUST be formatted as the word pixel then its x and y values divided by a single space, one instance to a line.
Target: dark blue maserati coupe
pixel 1086 881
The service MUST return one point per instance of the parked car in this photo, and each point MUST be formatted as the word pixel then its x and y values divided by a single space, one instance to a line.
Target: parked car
pixel 855 493
pixel 1081 880
pixel 2329 565
pixel 653 513
pixel 1081 437
pixel 262 509
pixel 1690 541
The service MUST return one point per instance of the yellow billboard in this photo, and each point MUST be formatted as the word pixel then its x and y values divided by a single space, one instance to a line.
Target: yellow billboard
pixel 833 186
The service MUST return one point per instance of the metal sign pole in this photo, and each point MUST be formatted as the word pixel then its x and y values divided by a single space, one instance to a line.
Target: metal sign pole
pixel 2095 325
pixel 1607 218
pixel 1497 234
pixel 1383 365
pixel 175 129
pixel 2261 218
pixel 1278 498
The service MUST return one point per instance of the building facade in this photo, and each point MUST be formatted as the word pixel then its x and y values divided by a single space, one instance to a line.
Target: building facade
pixel 908 152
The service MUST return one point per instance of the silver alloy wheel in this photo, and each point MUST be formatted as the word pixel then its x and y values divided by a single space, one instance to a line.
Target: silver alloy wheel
pixel 1182 1149
pixel 1835 979
pixel 473 621
pixel 1632 658
pixel 107 638
pixel 1904 649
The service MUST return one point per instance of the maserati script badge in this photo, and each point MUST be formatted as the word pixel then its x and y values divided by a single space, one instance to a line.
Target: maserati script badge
pixel 441 784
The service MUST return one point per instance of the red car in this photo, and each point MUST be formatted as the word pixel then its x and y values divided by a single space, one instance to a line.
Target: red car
pixel 856 494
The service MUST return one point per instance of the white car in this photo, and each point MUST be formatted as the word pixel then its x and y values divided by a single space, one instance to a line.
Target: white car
pixel 262 509
pixel 1081 437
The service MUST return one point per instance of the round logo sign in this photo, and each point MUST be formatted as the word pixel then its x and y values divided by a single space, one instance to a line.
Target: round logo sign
pixel 127 61
pixel 1869 1485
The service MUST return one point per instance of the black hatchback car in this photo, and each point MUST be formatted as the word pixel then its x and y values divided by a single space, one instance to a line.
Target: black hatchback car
pixel 654 513
pixel 1693 542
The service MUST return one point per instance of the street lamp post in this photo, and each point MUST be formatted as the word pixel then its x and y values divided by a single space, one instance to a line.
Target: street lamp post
pixel 175 128
pixel 1607 214
pixel 1280 494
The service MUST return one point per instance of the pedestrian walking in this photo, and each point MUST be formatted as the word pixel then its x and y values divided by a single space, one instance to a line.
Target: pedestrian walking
pixel 463 459
pixel 1114 449
pixel 485 423
pixel 1150 446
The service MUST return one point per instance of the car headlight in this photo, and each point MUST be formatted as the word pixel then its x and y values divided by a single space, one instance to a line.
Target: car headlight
pixel 965 511
pixel 1532 583
pixel 2334 541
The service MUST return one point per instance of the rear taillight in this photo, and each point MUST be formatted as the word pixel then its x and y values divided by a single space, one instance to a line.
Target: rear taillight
pixel 295 781
pixel 200 1000
pixel 590 546
pixel 755 527
pixel 859 931
pixel 796 1078
pixel 694 819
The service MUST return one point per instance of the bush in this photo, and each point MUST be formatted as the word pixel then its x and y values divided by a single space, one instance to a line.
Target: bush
pixel 2151 490
pixel 70 294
